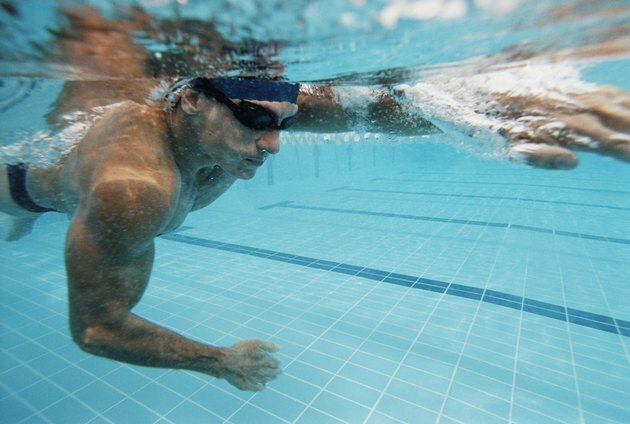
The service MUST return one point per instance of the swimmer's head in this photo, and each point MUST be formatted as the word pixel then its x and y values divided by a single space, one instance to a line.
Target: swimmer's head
pixel 243 96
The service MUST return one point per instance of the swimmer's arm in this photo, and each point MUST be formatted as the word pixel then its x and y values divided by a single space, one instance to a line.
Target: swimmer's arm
pixel 109 255
pixel 327 110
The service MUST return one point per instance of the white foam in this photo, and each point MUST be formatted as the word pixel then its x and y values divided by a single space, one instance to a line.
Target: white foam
pixel 45 147
pixel 422 10
pixel 467 103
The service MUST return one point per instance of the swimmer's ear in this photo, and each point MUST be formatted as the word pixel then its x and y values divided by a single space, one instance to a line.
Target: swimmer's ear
pixel 190 101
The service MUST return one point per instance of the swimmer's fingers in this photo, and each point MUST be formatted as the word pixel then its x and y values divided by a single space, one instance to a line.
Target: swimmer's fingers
pixel 250 365
pixel 543 156
pixel 597 121
pixel 257 347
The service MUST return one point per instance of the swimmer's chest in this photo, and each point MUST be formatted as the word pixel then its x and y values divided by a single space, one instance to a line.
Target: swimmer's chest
pixel 205 189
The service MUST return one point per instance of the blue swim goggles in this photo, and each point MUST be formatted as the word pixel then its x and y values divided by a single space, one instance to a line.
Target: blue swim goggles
pixel 250 114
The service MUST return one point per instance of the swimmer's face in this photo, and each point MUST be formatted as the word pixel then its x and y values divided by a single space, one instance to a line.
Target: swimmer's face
pixel 238 149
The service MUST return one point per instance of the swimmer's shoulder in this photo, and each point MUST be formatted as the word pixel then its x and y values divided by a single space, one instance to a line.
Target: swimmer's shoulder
pixel 131 114
pixel 130 107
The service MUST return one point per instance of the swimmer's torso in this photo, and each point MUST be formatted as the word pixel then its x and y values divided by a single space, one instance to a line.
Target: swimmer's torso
pixel 127 148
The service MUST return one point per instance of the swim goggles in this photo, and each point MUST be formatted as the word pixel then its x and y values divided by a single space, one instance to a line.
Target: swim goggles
pixel 250 114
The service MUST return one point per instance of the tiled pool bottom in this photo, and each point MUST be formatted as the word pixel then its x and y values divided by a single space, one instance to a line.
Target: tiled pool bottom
pixel 530 327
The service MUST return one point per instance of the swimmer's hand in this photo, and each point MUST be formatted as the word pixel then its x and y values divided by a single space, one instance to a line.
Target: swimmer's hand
pixel 249 365
pixel 550 133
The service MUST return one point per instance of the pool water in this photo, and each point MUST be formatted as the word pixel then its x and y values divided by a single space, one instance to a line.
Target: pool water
pixel 405 281
pixel 399 288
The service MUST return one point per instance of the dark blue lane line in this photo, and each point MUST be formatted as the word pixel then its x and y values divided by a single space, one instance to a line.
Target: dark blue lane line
pixel 291 205
pixel 480 196
pixel 575 316
pixel 511 185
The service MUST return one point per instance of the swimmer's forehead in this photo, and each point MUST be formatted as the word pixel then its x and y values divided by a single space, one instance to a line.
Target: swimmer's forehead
pixel 252 89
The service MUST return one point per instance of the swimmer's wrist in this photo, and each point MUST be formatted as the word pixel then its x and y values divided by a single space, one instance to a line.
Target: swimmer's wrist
pixel 212 361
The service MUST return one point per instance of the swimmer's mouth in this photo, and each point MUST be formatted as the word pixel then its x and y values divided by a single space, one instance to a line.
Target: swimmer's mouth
pixel 255 162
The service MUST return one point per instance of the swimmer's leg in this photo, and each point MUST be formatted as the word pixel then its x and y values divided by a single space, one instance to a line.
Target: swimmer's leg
pixel 15 227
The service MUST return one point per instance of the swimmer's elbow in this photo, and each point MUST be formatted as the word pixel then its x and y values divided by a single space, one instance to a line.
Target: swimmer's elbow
pixel 87 339
pixel 95 338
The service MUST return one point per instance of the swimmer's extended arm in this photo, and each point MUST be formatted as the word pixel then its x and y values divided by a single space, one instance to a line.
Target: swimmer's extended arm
pixel 597 121
pixel 323 110
pixel 109 255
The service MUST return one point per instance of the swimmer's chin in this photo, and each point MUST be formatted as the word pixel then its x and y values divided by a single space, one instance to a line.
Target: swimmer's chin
pixel 245 174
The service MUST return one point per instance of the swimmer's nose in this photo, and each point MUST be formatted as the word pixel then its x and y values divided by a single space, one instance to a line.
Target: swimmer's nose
pixel 270 141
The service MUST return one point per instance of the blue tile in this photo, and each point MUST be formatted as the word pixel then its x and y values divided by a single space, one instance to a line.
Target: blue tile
pixel 250 414
pixel 376 363
pixel 431 282
pixel 466 294
pixel 598 325
pixel 182 382
pixel 126 380
pixel 403 277
pixel 405 411
pixel 69 410
pixel 49 364
pixel 545 312
pixel 313 416
pixel 341 408
pixel 399 282
pixel 623 324
pixel 38 419
pixel 130 411
pixel 502 295
pixel 386 351
pixel 318 265
pixel 466 412
pixel 353 391
pixel 470 289
pixel 19 378
pixel 375 274
pixel 503 302
pixel 391 340
pixel 416 395
pixel 606 410
pixel 490 370
pixel 14 410
pixel 158 398
pixel 544 305
pixel 488 386
pixel 216 400
pixel 189 412
pixel 99 396
pixel 321 361
pixel 42 394
pixel 98 366
pixel 590 316
pixel 378 418
pixel 298 389
pixel 365 376
pixel 308 373
pixel 545 406
pixel 435 352
pixel 279 404
pixel 423 378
